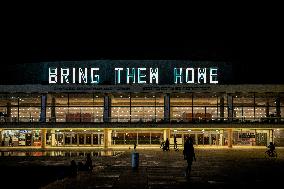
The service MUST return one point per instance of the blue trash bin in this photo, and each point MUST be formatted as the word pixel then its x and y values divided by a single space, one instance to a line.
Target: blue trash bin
pixel 135 160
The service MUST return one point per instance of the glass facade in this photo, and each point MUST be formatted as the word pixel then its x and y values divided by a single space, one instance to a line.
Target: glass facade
pixel 141 107
pixel 138 108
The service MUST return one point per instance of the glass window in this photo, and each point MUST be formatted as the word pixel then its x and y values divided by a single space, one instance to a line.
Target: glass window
pixel 4 99
pixel 145 114
pixel 27 114
pixel 211 112
pixel 141 99
pixel 29 100
pixel 144 138
pixel 248 113
pixel 181 113
pixel 131 138
pixel 12 98
pixel 260 112
pixel 82 99
pixel 240 99
pixel 261 99
pixel 181 99
pixel 199 112
pixel 120 114
pixel 57 99
pixel 205 99
pixel 120 99
pixel 156 137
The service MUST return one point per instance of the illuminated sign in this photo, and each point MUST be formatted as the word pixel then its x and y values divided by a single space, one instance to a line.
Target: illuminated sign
pixel 132 75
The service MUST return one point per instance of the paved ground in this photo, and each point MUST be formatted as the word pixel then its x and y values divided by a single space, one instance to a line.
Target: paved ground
pixel 214 168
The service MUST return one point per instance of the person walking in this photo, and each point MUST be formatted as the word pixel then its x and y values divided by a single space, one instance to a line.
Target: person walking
pixel 189 154
pixel 175 142
pixel 167 145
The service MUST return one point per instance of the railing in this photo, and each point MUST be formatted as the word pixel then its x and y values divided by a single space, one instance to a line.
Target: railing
pixel 268 120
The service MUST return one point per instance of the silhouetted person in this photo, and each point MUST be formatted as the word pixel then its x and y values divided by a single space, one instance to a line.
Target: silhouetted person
pixel 271 149
pixel 167 144
pixel 175 142
pixel 189 154
pixel 89 163
pixel 135 145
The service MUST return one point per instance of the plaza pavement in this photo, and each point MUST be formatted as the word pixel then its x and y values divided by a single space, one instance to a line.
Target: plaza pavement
pixel 239 167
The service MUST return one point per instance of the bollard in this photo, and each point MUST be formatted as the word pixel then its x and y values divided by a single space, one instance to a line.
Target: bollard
pixel 135 160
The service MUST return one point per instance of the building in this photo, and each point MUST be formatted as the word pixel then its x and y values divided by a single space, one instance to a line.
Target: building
pixel 116 103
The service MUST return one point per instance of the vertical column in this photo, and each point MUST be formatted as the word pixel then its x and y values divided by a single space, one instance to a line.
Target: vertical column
pixel 167 134
pixel 278 112
pixel 196 139
pixel 167 108
pixel 52 137
pixel 222 109
pixel 210 138
pixel 92 139
pixel 52 110
pixel 8 118
pixel 230 138
pixel 270 136
pixel 43 138
pixel 221 138
pixel 230 107
pixel 107 138
pixel 107 109
pixel 43 108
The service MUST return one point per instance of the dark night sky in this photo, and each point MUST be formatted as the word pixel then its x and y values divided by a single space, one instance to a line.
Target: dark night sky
pixel 256 55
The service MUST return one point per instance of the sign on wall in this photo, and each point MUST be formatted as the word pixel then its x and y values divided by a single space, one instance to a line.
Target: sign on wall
pixel 139 75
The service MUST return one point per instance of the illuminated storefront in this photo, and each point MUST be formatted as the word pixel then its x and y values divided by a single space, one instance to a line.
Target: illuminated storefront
pixel 108 104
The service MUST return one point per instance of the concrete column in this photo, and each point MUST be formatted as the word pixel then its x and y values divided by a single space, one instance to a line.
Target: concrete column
pixel 43 109
pixel 230 138
pixel 222 108
pixel 270 136
pixel 196 139
pixel 8 118
pixel 107 138
pixel 167 108
pixel 43 138
pixel 210 139
pixel 107 109
pixel 92 139
pixel 52 110
pixel 221 138
pixel 230 107
pixel 52 137
pixel 167 134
